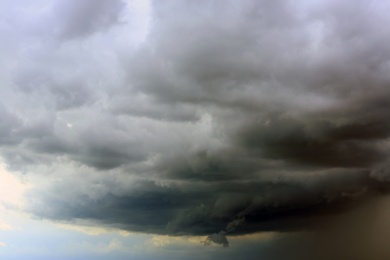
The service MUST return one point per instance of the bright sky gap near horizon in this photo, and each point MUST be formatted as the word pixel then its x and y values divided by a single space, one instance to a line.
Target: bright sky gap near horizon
pixel 183 129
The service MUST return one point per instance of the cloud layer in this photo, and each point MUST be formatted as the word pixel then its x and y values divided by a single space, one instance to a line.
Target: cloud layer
pixel 273 112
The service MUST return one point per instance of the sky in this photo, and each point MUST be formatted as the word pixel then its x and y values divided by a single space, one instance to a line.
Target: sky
pixel 183 129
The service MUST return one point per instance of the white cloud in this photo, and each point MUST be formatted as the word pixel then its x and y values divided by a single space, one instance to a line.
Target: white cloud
pixel 4 225
pixel 12 189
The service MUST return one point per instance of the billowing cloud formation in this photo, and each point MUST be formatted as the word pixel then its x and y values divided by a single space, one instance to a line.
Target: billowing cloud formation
pixel 273 112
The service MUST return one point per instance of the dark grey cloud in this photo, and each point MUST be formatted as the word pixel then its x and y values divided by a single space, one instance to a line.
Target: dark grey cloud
pixel 320 141
pixel 198 208
pixel 10 126
pixel 228 118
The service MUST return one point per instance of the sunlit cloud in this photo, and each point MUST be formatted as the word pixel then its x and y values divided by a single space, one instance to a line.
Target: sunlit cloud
pixel 93 230
pixel 163 241
pixel 12 189
pixel 4 226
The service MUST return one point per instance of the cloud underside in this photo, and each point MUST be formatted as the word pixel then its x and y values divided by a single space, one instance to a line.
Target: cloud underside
pixel 266 114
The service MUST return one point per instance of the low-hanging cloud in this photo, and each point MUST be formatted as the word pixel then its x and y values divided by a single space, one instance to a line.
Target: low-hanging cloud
pixel 228 118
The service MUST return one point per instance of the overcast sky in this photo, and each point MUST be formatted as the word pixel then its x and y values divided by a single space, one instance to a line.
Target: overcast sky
pixel 249 129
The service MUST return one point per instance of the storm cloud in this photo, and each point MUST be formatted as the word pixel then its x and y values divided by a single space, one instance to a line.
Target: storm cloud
pixel 203 114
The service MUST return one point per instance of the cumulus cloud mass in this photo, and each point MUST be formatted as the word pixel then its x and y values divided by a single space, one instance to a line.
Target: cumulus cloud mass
pixel 200 118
